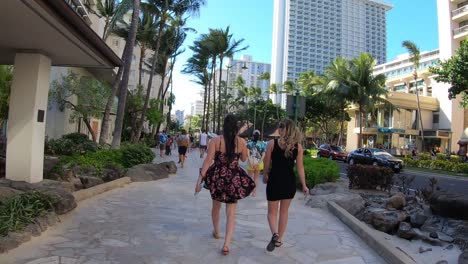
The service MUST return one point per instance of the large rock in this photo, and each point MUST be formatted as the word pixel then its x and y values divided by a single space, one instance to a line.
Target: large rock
pixel 329 187
pixel 7 243
pixel 65 201
pixel 47 184
pixel 49 164
pixel 351 202
pixel 417 220
pixel 453 205
pixel 405 231
pixel 463 258
pixel 397 201
pixel 6 192
pixel 147 172
pixel 89 181
pixel 170 166
pixel 387 220
pixel 111 173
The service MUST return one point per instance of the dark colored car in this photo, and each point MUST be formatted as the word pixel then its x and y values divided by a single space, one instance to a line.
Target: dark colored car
pixel 375 157
pixel 331 152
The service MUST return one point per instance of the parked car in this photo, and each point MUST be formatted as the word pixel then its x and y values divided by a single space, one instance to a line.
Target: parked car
pixel 331 152
pixel 375 157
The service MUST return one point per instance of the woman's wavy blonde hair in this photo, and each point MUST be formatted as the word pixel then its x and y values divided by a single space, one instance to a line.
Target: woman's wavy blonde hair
pixel 291 138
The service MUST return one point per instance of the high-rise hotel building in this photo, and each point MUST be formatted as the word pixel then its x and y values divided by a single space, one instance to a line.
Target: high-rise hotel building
pixel 309 34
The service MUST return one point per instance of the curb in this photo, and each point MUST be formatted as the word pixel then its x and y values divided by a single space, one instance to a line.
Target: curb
pixel 373 239
pixel 101 188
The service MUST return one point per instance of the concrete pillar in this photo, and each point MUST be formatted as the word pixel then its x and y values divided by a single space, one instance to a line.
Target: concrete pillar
pixel 26 120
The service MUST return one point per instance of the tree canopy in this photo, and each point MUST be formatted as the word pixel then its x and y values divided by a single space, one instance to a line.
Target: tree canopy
pixel 455 72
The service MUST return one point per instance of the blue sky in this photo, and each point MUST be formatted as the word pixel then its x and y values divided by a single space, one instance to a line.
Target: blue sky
pixel 414 20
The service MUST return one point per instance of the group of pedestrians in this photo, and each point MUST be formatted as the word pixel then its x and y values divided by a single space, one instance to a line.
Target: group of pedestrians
pixel 167 143
pixel 228 182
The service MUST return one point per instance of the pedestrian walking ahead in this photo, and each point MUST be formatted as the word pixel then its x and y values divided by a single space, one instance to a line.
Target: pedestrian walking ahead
pixel 278 174
pixel 225 179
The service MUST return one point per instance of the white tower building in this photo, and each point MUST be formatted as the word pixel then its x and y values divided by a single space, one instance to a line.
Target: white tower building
pixel 309 34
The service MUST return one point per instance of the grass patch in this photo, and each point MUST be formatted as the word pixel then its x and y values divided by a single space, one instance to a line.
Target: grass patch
pixel 318 171
pixel 442 172
pixel 19 210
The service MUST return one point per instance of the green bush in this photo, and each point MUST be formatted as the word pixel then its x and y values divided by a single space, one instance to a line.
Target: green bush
pixel 134 154
pixel 70 144
pixel 442 165
pixel 319 171
pixel 455 158
pixel 424 156
pixel 461 168
pixel 410 162
pixel 425 164
pixel 441 156
pixel 370 177
pixel 20 210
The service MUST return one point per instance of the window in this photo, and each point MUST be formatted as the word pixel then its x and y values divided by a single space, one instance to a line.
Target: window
pixel 435 118
pixel 115 42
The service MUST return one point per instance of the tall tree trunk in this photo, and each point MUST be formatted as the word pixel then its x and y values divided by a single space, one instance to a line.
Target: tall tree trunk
pixel 263 122
pixel 153 67
pixel 208 106
pixel 360 126
pixel 140 66
pixel 213 67
pixel 204 106
pixel 219 92
pixel 341 127
pixel 110 100
pixel 90 129
pixel 126 73
pixel 420 115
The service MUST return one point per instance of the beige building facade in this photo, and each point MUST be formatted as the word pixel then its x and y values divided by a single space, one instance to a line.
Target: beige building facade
pixel 445 122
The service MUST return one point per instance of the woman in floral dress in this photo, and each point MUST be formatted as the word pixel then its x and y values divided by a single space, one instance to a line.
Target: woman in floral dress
pixel 225 179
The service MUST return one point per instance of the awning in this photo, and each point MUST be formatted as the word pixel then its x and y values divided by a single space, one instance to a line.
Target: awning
pixel 52 28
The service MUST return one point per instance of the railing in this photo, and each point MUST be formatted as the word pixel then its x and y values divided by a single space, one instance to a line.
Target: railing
pixel 79 9
pixel 460 10
pixel 460 30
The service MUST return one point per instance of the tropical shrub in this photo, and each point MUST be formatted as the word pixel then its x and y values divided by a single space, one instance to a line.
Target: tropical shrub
pixel 455 158
pixel 441 156
pixel 461 168
pixel 134 154
pixel 424 156
pixel 370 177
pixel 70 144
pixel 20 210
pixel 319 171
pixel 442 165
pixel 94 163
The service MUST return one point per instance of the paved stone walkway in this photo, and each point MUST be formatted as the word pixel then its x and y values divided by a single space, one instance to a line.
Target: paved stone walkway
pixel 162 222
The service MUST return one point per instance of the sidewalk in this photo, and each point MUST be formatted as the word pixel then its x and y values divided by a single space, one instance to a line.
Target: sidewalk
pixel 162 222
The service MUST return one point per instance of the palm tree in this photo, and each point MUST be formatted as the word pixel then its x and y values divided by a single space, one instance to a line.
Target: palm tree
pixel 415 57
pixel 364 87
pixel 226 46
pixel 125 75
pixel 114 13
pixel 164 9
pixel 197 66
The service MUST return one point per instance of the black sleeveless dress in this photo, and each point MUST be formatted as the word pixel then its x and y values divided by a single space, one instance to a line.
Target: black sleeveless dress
pixel 226 180
pixel 281 183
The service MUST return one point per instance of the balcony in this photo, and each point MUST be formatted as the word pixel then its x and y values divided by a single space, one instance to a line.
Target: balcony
pixel 80 9
pixel 460 14
pixel 460 33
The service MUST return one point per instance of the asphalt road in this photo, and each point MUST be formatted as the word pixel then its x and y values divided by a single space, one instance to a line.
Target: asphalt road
pixel 455 184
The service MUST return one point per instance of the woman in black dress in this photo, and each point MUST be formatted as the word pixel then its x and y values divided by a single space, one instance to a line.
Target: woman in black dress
pixel 225 179
pixel 281 154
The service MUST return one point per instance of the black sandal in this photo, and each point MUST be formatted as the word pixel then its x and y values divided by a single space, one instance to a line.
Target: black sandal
pixel 271 246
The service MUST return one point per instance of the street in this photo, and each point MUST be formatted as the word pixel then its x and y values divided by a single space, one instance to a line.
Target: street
pixel 446 183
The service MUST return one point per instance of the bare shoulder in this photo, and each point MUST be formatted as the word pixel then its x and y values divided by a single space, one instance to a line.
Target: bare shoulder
pixel 299 147
pixel 270 144
pixel 242 143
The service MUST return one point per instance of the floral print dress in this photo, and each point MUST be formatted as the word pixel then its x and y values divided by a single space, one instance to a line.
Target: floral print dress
pixel 227 181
